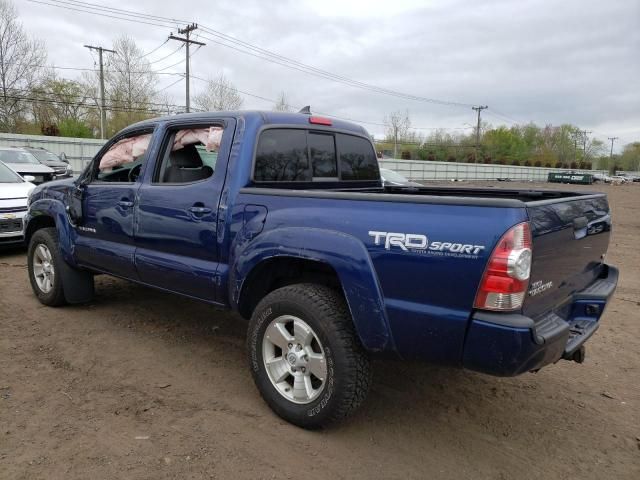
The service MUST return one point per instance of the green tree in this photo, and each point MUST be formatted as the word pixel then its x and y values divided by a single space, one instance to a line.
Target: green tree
pixel 57 101
pixel 630 158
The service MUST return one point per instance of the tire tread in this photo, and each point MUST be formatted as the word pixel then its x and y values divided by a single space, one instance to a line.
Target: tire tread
pixel 331 305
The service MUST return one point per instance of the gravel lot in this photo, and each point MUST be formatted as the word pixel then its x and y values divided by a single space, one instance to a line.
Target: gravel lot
pixel 141 384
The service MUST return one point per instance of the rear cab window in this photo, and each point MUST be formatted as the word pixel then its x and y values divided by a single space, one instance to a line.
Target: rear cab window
pixel 294 155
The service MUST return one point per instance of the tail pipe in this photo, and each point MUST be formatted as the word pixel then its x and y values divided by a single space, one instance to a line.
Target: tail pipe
pixel 576 356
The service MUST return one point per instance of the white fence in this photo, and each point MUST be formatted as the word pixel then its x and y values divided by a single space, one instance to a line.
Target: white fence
pixel 428 170
pixel 78 150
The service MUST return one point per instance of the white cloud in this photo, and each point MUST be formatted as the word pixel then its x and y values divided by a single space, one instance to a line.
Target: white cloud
pixel 549 62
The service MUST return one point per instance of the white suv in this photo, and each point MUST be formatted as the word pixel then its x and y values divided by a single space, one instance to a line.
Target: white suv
pixel 14 193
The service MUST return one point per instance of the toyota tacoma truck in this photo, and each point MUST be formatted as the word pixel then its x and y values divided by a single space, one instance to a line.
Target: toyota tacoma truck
pixel 283 218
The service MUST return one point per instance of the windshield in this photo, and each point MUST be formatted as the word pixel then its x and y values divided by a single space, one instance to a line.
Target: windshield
pixel 392 176
pixel 44 156
pixel 7 175
pixel 17 156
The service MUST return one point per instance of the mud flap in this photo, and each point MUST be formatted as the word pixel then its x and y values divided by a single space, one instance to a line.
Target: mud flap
pixel 78 285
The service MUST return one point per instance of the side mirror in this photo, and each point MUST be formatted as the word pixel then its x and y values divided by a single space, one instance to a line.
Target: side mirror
pixel 74 203
pixel 63 157
pixel 29 178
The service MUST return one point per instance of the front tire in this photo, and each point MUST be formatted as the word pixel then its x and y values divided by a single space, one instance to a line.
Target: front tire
pixel 45 267
pixel 305 356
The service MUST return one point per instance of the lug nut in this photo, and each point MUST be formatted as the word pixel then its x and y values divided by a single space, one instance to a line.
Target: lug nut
pixel 299 347
pixel 303 369
pixel 290 345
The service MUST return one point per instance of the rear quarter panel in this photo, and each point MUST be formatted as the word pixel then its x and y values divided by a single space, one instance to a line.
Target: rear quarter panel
pixel 427 296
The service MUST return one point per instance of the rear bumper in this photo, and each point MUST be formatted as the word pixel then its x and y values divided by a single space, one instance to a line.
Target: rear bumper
pixel 511 344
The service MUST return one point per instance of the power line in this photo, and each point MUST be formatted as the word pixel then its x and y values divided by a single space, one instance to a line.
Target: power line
pixel 84 69
pixel 247 48
pixel 103 113
pixel 21 92
pixel 167 56
pixel 355 120
pixel 167 87
pixel 155 49
pixel 84 105
pixel 187 42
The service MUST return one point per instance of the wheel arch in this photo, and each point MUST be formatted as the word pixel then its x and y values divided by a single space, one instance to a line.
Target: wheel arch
pixel 51 213
pixel 294 255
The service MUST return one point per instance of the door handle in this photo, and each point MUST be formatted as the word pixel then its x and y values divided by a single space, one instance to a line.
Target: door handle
pixel 125 203
pixel 199 210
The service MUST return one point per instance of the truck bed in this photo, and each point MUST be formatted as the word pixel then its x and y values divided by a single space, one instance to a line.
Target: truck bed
pixel 496 197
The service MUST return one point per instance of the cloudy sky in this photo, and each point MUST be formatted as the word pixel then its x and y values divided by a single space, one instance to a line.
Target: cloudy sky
pixel 546 61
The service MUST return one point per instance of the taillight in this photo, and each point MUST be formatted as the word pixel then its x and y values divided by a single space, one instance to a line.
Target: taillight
pixel 506 278
pixel 320 121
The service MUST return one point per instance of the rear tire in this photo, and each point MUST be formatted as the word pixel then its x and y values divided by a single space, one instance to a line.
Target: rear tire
pixel 305 356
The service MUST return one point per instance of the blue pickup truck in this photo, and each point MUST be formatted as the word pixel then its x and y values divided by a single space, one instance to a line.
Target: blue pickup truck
pixel 283 218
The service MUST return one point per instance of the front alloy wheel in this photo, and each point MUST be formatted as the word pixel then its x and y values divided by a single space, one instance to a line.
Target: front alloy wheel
pixel 44 267
pixel 44 272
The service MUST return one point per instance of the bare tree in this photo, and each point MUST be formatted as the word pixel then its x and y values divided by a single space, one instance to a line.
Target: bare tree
pixel 20 66
pixel 281 104
pixel 397 125
pixel 219 95
pixel 129 86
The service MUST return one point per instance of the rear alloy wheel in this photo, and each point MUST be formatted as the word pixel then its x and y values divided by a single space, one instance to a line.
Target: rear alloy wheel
pixel 305 356
pixel 294 359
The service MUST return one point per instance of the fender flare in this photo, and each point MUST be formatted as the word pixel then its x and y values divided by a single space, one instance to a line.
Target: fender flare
pixel 346 254
pixel 55 209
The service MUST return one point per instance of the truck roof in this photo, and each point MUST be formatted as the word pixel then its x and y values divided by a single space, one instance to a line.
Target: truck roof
pixel 263 116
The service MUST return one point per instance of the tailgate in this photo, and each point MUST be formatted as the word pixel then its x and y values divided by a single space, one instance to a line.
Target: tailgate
pixel 570 238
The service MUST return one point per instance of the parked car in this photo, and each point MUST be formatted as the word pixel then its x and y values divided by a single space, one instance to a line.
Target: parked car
pixel 61 168
pixel 290 227
pixel 601 177
pixel 14 191
pixel 25 163
pixel 619 179
pixel 630 177
pixel 394 179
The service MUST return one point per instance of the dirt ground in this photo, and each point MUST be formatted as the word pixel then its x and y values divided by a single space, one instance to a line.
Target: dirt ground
pixel 140 384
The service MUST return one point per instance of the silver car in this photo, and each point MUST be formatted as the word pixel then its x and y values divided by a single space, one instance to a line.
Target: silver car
pixel 14 192
pixel 25 163
pixel 392 178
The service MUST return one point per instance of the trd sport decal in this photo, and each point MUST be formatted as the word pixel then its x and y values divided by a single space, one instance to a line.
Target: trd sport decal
pixel 418 243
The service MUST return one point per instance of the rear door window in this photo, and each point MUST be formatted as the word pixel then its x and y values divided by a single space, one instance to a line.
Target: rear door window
pixel 282 156
pixel 358 160
pixel 300 155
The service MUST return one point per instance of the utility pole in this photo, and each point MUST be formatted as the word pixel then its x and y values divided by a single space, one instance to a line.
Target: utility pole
pixel 613 139
pixel 478 109
pixel 103 113
pixel 395 141
pixel 186 31
pixel 584 143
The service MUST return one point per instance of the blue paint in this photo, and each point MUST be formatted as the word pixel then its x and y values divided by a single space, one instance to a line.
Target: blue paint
pixel 418 305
